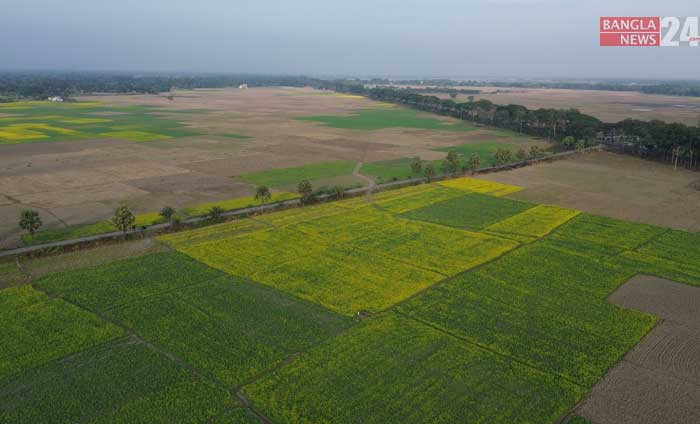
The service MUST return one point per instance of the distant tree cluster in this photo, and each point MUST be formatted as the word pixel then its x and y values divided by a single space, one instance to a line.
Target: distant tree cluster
pixel 41 85
pixel 568 129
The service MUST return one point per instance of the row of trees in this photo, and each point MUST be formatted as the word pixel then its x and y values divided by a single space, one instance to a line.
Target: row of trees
pixel 568 129
pixel 40 85
pixel 453 163
pixel 553 124
pixel 124 219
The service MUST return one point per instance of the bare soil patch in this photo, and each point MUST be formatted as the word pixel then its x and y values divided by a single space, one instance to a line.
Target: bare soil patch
pixel 659 380
pixel 98 174
pixel 614 185
pixel 608 106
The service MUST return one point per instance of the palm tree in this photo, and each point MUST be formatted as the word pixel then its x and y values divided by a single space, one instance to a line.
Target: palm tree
pixel 262 193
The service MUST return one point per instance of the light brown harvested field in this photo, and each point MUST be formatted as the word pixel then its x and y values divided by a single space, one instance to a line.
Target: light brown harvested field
pixel 659 380
pixel 609 106
pixel 614 185
pixel 81 181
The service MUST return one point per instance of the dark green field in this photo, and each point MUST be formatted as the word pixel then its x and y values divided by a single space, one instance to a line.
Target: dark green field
pixel 259 316
pixel 377 119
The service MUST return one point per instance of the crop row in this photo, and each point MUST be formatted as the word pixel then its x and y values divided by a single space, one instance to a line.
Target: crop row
pixel 46 330
pixel 210 233
pixel 536 222
pixel 119 382
pixel 360 259
pixel 118 283
pixel 541 306
pixel 601 236
pixel 229 328
pixel 418 200
pixel 480 186
pixel 676 246
pixel 18 297
pixel 296 215
pixel 394 369
pixel 472 211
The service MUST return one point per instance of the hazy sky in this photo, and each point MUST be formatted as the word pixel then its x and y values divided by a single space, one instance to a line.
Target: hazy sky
pixel 451 38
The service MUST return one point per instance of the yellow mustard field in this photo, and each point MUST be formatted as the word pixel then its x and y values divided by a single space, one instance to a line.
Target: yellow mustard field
pixel 349 255
pixel 480 186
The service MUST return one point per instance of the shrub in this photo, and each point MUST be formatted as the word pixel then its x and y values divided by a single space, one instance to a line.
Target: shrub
pixel 214 214
pixel 503 156
pixel 30 220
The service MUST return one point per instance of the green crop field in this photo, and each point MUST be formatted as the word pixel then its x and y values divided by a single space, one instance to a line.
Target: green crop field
pixel 378 119
pixel 473 211
pixel 120 382
pixel 37 329
pixel 195 323
pixel 393 367
pixel 32 121
pixel 442 302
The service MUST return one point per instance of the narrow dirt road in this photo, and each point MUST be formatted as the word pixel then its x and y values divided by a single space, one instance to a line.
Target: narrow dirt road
pixel 370 182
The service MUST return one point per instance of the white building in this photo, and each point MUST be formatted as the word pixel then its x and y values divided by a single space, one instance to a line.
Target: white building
pixel 243 86
pixel 55 99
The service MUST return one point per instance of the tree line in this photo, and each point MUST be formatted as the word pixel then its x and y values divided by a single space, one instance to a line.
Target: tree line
pixel 568 129
pixel 665 87
pixel 41 85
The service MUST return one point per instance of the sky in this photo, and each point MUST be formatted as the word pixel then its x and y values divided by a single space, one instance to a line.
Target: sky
pixel 381 38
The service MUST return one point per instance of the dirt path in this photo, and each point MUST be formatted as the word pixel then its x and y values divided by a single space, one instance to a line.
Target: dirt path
pixel 659 380
pixel 370 182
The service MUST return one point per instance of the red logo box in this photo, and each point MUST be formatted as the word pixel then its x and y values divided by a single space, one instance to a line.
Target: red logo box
pixel 630 30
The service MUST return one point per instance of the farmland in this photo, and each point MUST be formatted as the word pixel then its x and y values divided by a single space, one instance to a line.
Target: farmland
pixel 609 106
pixel 442 302
pixel 75 162
pixel 35 121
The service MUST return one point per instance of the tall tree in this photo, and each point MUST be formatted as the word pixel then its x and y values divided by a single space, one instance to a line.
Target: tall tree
pixel 123 219
pixel 474 161
pixel 416 165
pixel 503 156
pixel 306 190
pixel 167 213
pixel 451 164
pixel 429 171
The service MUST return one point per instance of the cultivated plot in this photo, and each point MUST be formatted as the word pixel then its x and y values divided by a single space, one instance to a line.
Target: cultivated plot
pixel 37 330
pixel 119 382
pixel 349 261
pixel 393 368
pixel 473 211
pixel 471 308
pixel 32 121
